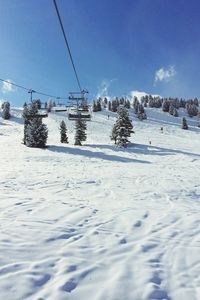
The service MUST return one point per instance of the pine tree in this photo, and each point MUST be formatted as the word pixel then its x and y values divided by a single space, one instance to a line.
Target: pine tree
pixel 184 124
pixel 192 109
pixel 122 129
pixel 6 110
pixel 98 105
pixel 80 135
pixel 114 105
pixel 94 107
pixel 35 132
pixel 171 109
pixel 26 120
pixel 141 112
pixel 136 104
pixel 114 133
pixel 165 105
pixel 175 112
pixel 63 132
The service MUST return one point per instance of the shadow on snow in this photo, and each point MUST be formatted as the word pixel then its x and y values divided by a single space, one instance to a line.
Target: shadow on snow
pixel 94 154
pixel 144 149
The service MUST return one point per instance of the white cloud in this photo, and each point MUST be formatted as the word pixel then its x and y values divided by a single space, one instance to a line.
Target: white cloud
pixel 139 94
pixel 7 87
pixel 164 74
pixel 104 87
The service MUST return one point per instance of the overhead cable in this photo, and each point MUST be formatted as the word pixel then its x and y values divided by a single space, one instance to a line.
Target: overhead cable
pixel 29 90
pixel 67 44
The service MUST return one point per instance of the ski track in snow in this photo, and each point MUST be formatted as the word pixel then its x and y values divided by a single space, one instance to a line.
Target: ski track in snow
pixel 97 222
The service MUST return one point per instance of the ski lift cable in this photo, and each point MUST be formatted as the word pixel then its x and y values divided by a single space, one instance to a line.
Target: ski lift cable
pixel 67 44
pixel 29 90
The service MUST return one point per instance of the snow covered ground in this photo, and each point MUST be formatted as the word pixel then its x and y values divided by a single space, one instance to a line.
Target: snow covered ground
pixel 101 223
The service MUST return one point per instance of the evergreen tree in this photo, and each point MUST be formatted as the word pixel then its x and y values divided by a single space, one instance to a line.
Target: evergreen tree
pixel 49 105
pixel 175 112
pixel 114 133
pixel 63 132
pixel 38 103
pixel 141 112
pixel 192 109
pixel 184 124
pixel 151 101
pixel 80 135
pixel 98 106
pixel 127 104
pixel 122 129
pixel 114 105
pixel 171 109
pixel 94 107
pixel 26 120
pixel 136 104
pixel 196 101
pixel 6 110
pixel 165 105
pixel 35 132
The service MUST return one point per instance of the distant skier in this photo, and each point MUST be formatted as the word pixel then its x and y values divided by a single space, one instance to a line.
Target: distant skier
pixel 108 117
pixel 149 142
pixel 161 129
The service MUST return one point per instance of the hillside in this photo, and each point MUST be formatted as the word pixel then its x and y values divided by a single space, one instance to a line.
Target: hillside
pixel 99 222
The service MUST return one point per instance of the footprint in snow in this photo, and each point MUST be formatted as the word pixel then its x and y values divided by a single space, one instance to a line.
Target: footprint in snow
pixel 146 215
pixel 69 285
pixel 138 223
pixel 123 241
pixel 41 281
pixel 158 294
pixel 146 248
pixel 71 268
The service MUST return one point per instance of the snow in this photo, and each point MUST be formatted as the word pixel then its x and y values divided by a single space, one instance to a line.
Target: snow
pixel 97 222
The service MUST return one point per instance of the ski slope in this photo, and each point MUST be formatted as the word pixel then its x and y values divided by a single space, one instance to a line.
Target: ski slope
pixel 97 222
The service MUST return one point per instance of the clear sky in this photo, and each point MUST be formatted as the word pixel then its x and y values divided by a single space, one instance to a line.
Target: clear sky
pixel 118 46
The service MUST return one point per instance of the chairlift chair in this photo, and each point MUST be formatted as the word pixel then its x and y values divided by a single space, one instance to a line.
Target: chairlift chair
pixel 59 108
pixel 79 113
pixel 81 110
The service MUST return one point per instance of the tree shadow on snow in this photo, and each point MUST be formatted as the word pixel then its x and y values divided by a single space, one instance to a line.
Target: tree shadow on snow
pixel 145 150
pixel 93 154
pixel 154 150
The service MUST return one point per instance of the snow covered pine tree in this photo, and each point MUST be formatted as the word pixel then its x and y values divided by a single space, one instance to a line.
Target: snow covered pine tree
pixel 6 110
pixel 184 124
pixel 123 128
pixel 35 132
pixel 80 135
pixel 63 132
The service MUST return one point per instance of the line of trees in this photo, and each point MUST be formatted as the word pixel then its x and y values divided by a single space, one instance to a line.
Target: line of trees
pixel 36 133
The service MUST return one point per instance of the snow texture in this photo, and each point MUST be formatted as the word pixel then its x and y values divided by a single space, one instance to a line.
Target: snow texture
pixel 100 222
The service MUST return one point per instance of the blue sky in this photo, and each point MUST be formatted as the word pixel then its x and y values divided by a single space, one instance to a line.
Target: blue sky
pixel 118 46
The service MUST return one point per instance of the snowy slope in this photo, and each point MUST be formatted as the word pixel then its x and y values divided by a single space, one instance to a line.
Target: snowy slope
pixel 97 222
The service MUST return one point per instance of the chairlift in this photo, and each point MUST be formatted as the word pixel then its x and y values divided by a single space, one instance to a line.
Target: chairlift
pixel 81 109
pixel 79 113
pixel 59 108
pixel 38 116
